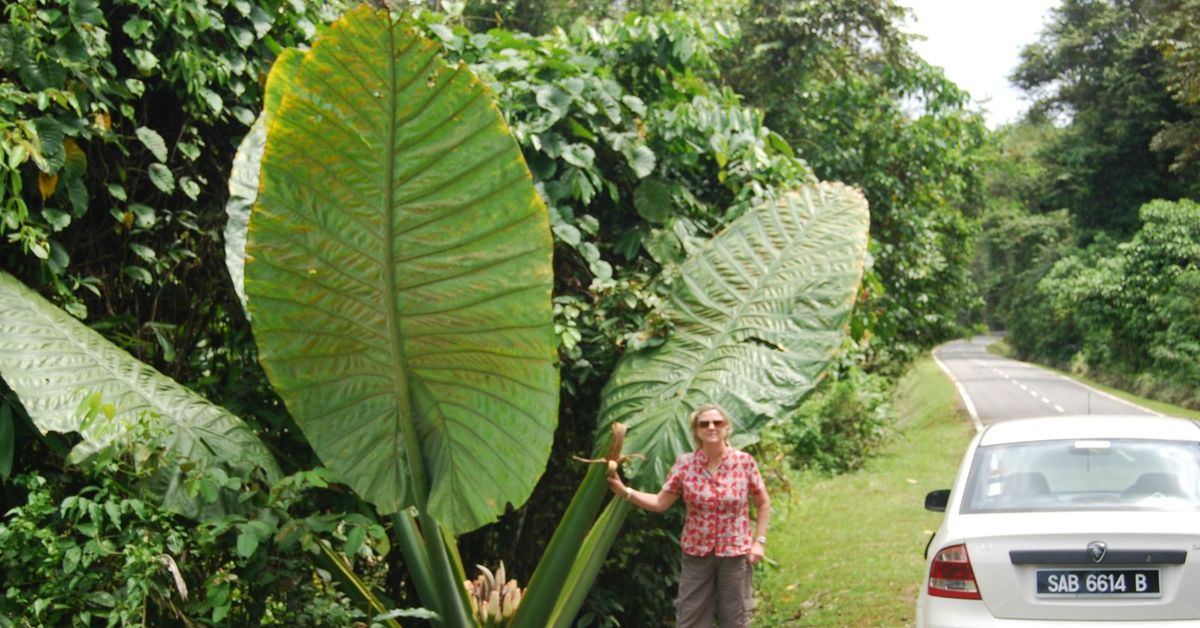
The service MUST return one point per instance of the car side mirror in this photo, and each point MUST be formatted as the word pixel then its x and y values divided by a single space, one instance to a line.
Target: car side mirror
pixel 937 500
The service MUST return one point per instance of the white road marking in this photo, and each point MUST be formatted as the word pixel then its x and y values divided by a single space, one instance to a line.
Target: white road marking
pixel 962 392
pixel 1097 391
pixel 1059 408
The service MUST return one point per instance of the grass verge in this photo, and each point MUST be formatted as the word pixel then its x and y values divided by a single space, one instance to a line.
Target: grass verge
pixel 847 550
pixel 1002 348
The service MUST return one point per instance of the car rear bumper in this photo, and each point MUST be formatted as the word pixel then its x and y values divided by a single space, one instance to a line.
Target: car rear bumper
pixel 951 613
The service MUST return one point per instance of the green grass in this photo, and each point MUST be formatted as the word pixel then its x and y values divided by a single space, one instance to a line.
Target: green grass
pixel 1002 348
pixel 847 550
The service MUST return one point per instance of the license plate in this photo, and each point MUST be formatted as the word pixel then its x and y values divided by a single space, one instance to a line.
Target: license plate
pixel 1087 582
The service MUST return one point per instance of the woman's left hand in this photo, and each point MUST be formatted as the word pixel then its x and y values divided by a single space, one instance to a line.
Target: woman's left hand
pixel 757 552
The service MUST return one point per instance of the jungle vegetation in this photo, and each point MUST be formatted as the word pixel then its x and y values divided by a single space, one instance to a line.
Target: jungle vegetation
pixel 195 350
pixel 1088 249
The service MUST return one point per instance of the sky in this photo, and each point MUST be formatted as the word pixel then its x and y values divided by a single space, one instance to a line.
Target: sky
pixel 978 43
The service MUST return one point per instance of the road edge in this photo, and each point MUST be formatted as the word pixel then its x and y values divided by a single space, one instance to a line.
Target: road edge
pixel 962 392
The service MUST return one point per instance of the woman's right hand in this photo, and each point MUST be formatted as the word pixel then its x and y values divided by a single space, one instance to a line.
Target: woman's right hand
pixel 617 486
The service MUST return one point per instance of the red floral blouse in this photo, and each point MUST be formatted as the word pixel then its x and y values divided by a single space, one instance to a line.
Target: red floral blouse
pixel 718 504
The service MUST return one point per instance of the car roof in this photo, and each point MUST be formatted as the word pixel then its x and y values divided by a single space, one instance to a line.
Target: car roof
pixel 1090 426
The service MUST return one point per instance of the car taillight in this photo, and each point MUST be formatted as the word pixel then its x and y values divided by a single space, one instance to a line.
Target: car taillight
pixel 951 575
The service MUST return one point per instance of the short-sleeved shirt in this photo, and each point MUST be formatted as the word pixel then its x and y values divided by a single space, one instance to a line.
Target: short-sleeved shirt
pixel 718 504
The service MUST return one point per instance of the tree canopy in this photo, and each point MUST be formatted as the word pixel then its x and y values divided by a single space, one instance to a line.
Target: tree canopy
pixel 1099 69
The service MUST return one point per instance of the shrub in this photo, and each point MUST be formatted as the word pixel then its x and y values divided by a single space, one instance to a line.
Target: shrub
pixel 81 551
pixel 841 423
pixel 1122 311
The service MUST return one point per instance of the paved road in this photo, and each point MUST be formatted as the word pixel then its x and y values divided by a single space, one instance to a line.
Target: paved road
pixel 997 389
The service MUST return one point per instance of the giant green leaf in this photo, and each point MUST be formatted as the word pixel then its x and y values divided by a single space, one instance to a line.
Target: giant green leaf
pixel 398 272
pixel 758 311
pixel 53 362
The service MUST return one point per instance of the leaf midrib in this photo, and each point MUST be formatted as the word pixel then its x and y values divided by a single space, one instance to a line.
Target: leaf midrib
pixel 403 427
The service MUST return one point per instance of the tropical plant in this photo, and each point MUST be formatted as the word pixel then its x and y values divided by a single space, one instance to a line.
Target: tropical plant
pixel 368 287
pixel 398 278
pixel 757 314
pixel 771 262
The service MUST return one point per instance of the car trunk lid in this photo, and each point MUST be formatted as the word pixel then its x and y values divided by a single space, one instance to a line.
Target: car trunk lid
pixel 1157 550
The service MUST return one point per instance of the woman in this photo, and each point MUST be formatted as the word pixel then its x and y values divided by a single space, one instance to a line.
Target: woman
pixel 716 482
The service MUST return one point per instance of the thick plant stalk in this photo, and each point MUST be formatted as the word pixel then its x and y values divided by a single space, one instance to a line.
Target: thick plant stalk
pixel 455 609
pixel 547 584
pixel 433 571
pixel 550 577
pixel 456 561
pixel 588 563
pixel 417 560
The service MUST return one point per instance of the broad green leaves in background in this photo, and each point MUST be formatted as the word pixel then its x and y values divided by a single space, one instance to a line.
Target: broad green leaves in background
pixel 243 179
pixel 243 191
pixel 54 363
pixel 758 312
pixel 398 273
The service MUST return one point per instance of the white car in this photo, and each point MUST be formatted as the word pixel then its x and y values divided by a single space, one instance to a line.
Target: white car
pixel 1069 521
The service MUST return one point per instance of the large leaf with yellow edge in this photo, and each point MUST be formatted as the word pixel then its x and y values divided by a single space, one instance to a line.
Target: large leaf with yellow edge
pixel 398 273
pixel 758 311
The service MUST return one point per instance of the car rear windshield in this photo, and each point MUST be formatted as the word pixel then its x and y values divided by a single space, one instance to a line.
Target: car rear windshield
pixel 1085 475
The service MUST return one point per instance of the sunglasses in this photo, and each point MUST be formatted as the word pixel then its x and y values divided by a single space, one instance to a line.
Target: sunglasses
pixel 707 424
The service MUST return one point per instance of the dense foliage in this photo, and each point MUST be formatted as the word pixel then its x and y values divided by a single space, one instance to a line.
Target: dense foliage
pixel 119 120
pixel 638 145
pixel 83 550
pixel 1098 64
pixel 1079 260
pixel 1124 310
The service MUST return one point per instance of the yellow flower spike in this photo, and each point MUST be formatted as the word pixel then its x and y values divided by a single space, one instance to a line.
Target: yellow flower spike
pixel 493 606
pixel 510 604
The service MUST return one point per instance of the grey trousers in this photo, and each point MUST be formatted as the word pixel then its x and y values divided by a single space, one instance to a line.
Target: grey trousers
pixel 714 585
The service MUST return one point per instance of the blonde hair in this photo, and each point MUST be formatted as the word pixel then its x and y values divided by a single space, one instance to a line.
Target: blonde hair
pixel 695 416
